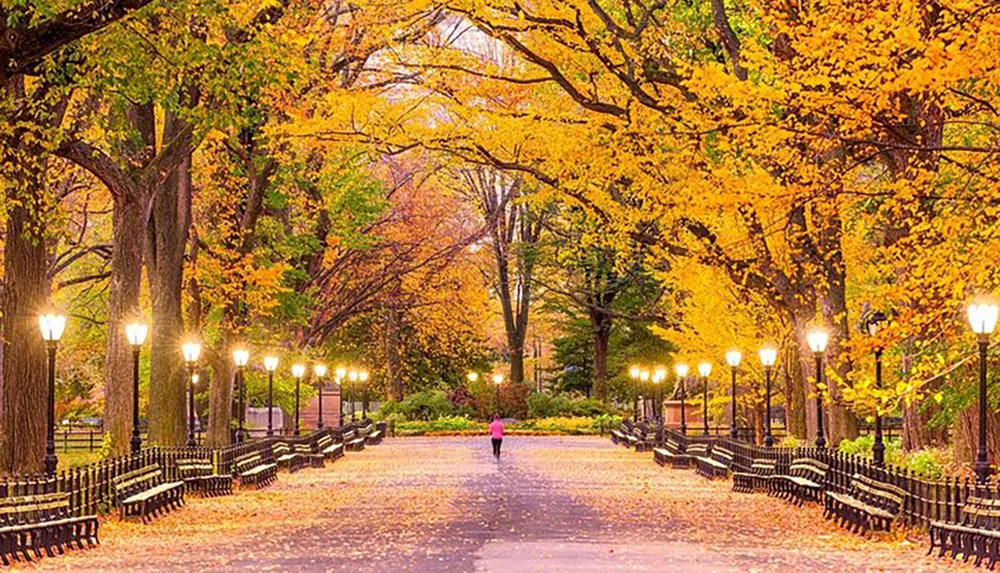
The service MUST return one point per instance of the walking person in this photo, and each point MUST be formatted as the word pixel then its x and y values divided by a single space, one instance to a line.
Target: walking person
pixel 496 435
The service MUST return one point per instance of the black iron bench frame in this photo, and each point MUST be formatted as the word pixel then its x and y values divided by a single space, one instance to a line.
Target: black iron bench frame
pixel 43 522
pixel 144 492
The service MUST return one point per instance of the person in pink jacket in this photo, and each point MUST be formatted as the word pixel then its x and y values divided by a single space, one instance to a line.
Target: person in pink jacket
pixel 496 435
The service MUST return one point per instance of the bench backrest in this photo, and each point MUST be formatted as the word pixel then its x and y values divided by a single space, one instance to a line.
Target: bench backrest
pixel 137 480
pixel 810 469
pixel 763 467
pixel 348 435
pixel 303 449
pixel 194 467
pixel 879 494
pixel 722 455
pixel 248 462
pixel 981 513
pixel 324 442
pixel 673 446
pixel 20 510
pixel 698 449
pixel 280 449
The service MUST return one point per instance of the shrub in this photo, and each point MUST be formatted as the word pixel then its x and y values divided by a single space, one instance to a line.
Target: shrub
pixel 588 407
pixel 540 405
pixel 429 405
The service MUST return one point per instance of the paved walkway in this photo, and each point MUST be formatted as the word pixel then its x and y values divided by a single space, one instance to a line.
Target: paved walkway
pixel 444 504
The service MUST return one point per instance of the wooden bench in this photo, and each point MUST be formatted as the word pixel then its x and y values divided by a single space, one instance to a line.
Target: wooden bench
pixel 374 438
pixel 805 480
pixel 619 436
pixel 144 492
pixel 976 533
pixel 254 469
pixel 354 442
pixel 697 450
pixel 671 454
pixel 330 450
pixel 198 474
pixel 645 439
pixel 36 523
pixel 311 456
pixel 757 479
pixel 869 505
pixel 715 465
pixel 287 457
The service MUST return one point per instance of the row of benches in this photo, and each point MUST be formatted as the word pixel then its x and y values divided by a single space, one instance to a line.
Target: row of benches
pixel 867 504
pixel 30 525
pixel 638 437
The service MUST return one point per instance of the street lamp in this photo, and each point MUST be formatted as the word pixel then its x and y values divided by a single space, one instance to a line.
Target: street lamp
pixel 983 319
pixel 353 377
pixel 363 378
pixel 705 369
pixel 52 326
pixel 191 352
pixel 270 364
pixel 817 339
pixel 633 372
pixel 872 327
pixel 733 358
pixel 682 371
pixel 319 370
pixel 298 371
pixel 136 333
pixel 768 356
pixel 240 358
pixel 497 381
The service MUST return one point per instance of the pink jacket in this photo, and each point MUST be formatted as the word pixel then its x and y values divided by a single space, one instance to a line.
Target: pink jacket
pixel 496 429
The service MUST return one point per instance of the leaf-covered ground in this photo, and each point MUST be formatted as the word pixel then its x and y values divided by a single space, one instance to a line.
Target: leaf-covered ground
pixel 551 503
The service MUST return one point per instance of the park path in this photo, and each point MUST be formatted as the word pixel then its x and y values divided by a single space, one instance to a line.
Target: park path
pixel 444 504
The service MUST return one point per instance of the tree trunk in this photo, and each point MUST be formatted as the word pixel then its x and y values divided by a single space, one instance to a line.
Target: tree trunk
pixel 601 323
pixel 170 222
pixel 123 305
pixel 26 291
pixel 843 424
pixel 393 363
pixel 220 397
pixel 965 435
pixel 917 431
pixel 795 398
pixel 23 160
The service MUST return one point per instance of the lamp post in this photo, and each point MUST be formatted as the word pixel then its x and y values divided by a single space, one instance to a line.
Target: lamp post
pixel 319 370
pixel 634 372
pixel 983 319
pixel 136 333
pixel 497 381
pixel 817 339
pixel 240 358
pixel 768 356
pixel 353 377
pixel 733 358
pixel 872 327
pixel 191 352
pixel 52 326
pixel 682 371
pixel 363 378
pixel 705 369
pixel 341 373
pixel 298 371
pixel 270 364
